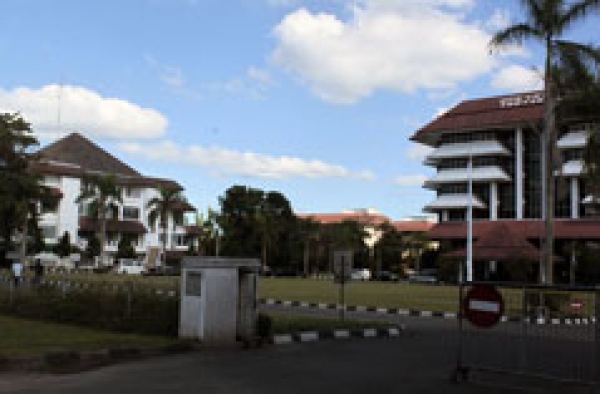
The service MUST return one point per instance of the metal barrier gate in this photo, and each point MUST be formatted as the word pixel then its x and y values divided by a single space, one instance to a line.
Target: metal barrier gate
pixel 546 332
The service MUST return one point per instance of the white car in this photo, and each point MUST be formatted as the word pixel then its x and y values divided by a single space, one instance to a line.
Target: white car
pixel 361 274
pixel 130 267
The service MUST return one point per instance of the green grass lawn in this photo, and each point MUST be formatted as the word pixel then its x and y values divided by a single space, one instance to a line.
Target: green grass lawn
pixel 19 337
pixel 283 324
pixel 381 294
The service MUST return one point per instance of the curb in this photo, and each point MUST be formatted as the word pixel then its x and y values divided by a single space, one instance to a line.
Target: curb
pixel 567 321
pixel 336 334
pixel 65 362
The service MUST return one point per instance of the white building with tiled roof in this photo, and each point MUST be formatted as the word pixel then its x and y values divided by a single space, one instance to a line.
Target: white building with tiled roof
pixel 64 163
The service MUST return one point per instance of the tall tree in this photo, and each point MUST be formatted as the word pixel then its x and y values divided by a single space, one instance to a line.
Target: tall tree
pixel 167 205
pixel 546 22
pixel 309 231
pixel 19 188
pixel 102 196
pixel 208 232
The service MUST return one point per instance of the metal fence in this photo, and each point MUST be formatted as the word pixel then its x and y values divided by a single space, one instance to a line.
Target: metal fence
pixel 545 332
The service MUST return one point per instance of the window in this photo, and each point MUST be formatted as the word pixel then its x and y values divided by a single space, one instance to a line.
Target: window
pixel 49 232
pixel 131 213
pixel 133 192
pixel 52 180
pixel 49 206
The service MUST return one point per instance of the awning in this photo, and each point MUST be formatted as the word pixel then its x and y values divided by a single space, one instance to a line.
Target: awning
pixel 453 201
pixel 573 140
pixel 461 175
pixel 466 149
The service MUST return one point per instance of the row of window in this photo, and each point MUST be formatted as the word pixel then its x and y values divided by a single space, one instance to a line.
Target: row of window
pixel 51 232
pixel 453 138
pixel 464 162
pixel 127 212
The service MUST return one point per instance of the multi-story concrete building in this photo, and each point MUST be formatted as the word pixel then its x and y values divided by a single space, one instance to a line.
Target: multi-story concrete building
pixel 65 163
pixel 502 137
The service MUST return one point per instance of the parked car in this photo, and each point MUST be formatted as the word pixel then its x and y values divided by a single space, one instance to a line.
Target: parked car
pixel 361 274
pixel 130 267
pixel 387 276
pixel 424 276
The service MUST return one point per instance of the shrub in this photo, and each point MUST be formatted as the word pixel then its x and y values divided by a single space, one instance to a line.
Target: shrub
pixel 125 309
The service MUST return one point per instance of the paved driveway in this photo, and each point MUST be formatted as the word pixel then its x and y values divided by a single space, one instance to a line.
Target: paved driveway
pixel 416 363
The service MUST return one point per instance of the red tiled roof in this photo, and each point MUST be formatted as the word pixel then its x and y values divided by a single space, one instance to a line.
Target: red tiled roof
pixel 331 218
pixel 409 226
pixel 527 229
pixel 76 156
pixel 89 225
pixel 183 206
pixel 483 113
pixel 500 243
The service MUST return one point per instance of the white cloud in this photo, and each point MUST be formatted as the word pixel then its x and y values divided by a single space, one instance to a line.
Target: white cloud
pixel 516 78
pixel 499 20
pixel 173 78
pixel 410 180
pixel 253 85
pixel 220 162
pixel 418 152
pixel 397 45
pixel 82 110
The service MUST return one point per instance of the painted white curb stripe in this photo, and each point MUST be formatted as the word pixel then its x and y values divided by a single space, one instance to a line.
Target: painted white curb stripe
pixel 393 332
pixel 341 334
pixel 309 336
pixel 282 339
pixel 382 310
pixel 370 333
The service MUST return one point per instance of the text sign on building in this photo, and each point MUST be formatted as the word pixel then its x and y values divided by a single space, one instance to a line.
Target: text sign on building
pixel 193 284
pixel 342 265
pixel 521 100
pixel 483 306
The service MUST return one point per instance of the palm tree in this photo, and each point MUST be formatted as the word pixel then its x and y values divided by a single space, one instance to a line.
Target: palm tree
pixel 102 194
pixel 309 231
pixel 168 204
pixel 547 21
pixel 208 231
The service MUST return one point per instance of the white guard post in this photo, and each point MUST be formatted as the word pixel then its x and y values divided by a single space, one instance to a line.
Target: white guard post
pixel 218 299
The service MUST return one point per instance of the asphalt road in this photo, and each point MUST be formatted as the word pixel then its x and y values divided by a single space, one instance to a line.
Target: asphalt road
pixel 411 364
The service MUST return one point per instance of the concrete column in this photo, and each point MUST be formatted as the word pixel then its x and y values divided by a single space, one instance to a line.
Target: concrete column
pixel 519 172
pixel 445 216
pixel 493 201
pixel 574 198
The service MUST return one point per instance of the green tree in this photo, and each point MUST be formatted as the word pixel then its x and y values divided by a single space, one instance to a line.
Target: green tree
pixel 309 231
pixel 125 249
pixel 169 204
pixel 103 196
pixel 390 246
pixel 546 22
pixel 63 248
pixel 253 222
pixel 93 248
pixel 19 188
pixel 208 229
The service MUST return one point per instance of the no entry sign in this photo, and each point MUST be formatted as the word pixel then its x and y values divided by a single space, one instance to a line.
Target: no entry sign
pixel 483 306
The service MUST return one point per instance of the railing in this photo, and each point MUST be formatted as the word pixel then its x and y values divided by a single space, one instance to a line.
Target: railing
pixel 545 332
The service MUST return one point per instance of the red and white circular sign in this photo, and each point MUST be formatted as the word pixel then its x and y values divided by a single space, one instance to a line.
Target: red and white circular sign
pixel 483 306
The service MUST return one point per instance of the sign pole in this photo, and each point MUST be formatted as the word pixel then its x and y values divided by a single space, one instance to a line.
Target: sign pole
pixel 342 290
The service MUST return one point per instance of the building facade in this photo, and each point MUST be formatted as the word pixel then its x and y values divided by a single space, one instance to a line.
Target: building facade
pixel 501 138
pixel 63 166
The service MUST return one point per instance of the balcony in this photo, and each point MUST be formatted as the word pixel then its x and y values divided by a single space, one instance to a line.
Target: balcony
pixel 573 168
pixel 466 149
pixel 573 140
pixel 453 201
pixel 461 175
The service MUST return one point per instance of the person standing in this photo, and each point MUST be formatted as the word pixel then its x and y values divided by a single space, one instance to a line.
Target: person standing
pixel 17 270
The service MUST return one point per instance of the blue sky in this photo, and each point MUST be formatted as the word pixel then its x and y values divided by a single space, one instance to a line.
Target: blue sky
pixel 313 98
